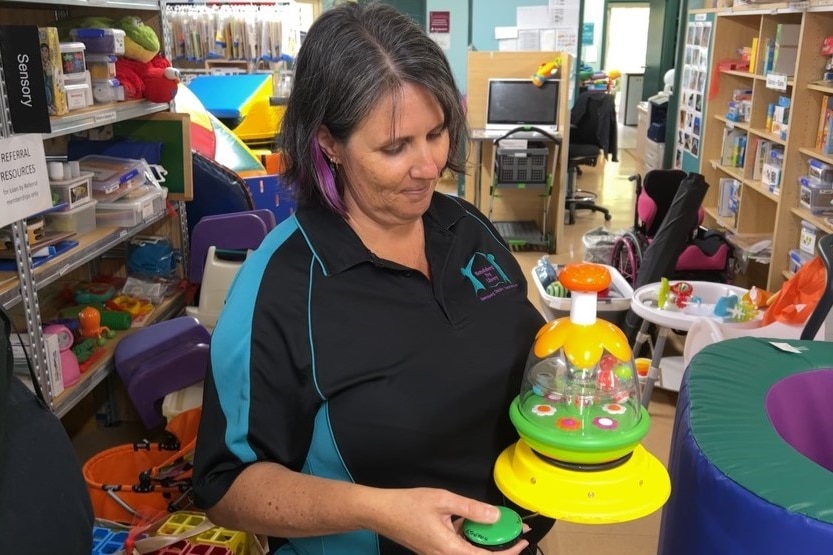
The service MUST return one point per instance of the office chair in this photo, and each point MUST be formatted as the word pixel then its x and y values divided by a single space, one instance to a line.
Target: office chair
pixel 593 132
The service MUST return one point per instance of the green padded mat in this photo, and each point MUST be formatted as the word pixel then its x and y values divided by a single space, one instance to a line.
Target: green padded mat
pixel 727 385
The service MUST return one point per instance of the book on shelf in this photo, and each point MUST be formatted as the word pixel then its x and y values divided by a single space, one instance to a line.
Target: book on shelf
pixel 753 55
pixel 785 52
pixel 824 137
pixel 729 199
pixel 762 149
pixel 734 148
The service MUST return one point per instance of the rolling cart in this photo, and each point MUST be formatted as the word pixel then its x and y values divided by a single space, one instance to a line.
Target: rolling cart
pixel 529 168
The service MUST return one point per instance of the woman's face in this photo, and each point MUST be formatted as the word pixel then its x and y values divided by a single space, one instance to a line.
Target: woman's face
pixel 391 163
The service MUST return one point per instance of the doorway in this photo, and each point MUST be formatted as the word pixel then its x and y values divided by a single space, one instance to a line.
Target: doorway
pixel 626 43
pixel 625 49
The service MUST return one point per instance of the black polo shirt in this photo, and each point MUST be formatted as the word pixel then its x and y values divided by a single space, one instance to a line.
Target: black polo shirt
pixel 339 364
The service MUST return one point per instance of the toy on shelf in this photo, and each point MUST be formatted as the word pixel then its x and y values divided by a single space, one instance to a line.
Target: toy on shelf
pixel 134 306
pixel 599 80
pixel 580 419
pixel 727 306
pixel 91 328
pixel 70 371
pixel 141 71
pixel 546 72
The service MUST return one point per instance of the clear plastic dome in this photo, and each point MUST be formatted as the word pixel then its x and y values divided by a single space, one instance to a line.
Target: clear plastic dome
pixel 580 400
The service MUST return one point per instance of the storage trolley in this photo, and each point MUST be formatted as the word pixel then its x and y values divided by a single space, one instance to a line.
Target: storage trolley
pixel 528 168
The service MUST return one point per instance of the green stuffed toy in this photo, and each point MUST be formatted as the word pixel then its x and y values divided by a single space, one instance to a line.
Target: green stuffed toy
pixel 140 43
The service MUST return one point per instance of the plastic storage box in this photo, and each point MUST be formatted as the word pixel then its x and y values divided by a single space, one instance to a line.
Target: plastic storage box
pixel 798 259
pixel 74 191
pixel 101 66
pixel 815 195
pixel 132 210
pixel 807 240
pixel 100 41
pixel 81 219
pixel 612 309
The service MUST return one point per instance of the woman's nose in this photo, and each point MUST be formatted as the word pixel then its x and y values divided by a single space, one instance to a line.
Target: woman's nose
pixel 425 165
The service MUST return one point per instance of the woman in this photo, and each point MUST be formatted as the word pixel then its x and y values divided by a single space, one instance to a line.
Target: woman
pixel 362 370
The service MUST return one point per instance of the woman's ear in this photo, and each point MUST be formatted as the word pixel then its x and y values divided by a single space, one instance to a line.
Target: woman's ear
pixel 327 143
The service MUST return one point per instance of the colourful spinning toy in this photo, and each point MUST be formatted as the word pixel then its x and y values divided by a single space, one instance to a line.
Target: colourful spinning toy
pixel 580 420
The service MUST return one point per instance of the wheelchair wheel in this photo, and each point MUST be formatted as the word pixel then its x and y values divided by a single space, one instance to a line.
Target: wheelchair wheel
pixel 626 256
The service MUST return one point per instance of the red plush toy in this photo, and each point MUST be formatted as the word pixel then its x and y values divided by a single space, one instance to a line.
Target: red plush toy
pixel 155 80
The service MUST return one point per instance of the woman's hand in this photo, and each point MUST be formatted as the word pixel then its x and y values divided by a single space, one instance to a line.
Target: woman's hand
pixel 425 521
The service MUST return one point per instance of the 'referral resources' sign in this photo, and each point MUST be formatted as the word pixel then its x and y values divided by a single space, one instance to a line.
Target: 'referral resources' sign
pixel 24 183
pixel 25 85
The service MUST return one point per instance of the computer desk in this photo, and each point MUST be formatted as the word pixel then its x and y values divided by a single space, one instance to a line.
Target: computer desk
pixel 479 137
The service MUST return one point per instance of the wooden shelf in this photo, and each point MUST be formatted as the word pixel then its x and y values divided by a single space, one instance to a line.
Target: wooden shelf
pixel 719 220
pixel 817 154
pixel 732 124
pixel 818 221
pixel 759 187
pixel 760 210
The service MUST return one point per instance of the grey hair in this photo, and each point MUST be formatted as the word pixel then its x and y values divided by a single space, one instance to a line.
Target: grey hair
pixel 352 56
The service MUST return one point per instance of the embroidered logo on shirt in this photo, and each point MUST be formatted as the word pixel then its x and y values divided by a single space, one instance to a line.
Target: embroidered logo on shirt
pixel 486 276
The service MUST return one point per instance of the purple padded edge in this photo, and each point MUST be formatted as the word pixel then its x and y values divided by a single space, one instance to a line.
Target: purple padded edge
pixel 165 373
pixel 160 359
pixel 799 408
pixel 134 350
pixel 236 230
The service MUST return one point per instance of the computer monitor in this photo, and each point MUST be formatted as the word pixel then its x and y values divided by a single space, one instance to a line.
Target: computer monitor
pixel 512 103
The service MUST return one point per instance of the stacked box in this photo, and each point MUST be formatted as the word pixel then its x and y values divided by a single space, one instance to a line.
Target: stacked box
pixel 53 73
pixel 815 196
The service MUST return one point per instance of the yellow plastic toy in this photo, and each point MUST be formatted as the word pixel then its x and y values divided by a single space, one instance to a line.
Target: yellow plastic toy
pixel 545 72
pixel 581 421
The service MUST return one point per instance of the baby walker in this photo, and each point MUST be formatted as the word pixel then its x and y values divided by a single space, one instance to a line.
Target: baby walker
pixel 525 168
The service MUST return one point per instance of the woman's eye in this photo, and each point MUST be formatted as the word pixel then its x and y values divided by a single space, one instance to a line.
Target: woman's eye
pixel 394 148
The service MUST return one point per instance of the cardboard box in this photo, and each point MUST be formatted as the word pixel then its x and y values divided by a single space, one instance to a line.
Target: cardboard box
pixel 22 350
pixel 53 72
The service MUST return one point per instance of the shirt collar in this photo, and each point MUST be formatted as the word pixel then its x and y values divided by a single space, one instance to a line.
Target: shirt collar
pixel 338 247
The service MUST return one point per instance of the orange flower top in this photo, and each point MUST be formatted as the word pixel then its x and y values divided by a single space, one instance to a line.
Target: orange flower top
pixel 583 277
pixel 583 345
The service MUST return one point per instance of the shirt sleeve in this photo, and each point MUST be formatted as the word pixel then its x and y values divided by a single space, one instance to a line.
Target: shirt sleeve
pixel 260 401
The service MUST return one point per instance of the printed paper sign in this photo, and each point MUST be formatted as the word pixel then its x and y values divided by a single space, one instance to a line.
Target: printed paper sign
pixel 24 184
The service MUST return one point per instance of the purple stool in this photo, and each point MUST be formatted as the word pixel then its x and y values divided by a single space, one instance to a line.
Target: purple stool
pixel 160 359
pixel 236 231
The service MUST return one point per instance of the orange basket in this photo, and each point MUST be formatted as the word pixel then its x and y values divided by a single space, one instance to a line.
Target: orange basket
pixel 139 480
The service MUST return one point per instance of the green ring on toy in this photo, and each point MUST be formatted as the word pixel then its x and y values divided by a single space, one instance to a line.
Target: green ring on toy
pixel 572 447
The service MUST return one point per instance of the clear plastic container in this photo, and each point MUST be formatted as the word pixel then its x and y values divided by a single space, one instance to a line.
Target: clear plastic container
pixel 807 240
pixel 81 219
pixel 132 210
pixel 101 66
pixel 107 91
pixel 100 41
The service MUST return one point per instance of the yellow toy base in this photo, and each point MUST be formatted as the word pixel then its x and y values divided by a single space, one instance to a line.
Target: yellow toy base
pixel 632 490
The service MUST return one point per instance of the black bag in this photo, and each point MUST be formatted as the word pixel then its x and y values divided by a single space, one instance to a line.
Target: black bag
pixel 45 508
